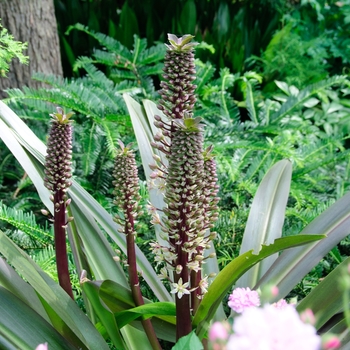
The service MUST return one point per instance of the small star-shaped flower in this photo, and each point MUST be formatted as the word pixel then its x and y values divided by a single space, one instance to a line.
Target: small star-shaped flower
pixel 203 284
pixel 180 288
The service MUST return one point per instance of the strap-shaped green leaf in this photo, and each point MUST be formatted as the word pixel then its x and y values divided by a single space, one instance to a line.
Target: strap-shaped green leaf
pixel 64 314
pixel 235 269
pixel 326 299
pixel 105 316
pixel 266 218
pixel 145 311
pixel 292 265
pixel 117 298
pixel 22 328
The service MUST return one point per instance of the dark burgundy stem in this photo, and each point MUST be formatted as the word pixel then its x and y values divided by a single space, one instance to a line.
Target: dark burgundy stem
pixel 134 279
pixel 195 300
pixel 183 305
pixel 183 313
pixel 60 244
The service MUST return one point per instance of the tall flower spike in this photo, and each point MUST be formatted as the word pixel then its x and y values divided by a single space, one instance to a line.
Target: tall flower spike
pixel 57 180
pixel 127 199
pixel 190 182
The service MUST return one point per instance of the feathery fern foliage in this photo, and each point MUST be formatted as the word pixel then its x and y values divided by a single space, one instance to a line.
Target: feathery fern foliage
pixel 309 127
pixel 25 230
pixel 137 65
pixel 10 49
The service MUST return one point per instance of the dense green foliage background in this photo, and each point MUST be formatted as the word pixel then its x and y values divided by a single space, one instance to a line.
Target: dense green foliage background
pixel 287 38
pixel 269 87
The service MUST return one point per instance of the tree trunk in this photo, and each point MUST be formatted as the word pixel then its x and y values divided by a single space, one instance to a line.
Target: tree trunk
pixel 34 22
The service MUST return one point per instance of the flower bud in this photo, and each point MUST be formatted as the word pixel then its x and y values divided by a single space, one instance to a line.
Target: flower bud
pixel 178 269
pixel 44 212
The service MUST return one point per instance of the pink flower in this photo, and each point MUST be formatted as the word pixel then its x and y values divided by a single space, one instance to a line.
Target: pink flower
pixel 274 291
pixel 242 298
pixel 307 316
pixel 271 328
pixel 330 342
pixel 218 332
pixel 280 304
pixel 42 347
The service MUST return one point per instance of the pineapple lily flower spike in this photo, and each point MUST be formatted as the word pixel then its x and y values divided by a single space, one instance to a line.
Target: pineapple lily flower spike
pixel 57 180
pixel 190 184
pixel 127 200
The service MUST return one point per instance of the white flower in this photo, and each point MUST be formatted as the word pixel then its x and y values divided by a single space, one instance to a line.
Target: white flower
pixel 180 288
pixel 155 219
pixel 163 273
pixel 170 256
pixel 159 259
pixel 151 209
pixel 193 265
pixel 156 248
pixel 203 284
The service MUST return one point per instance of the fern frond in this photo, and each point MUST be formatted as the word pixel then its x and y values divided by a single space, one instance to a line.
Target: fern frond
pixel 82 62
pixel 112 59
pixel 119 75
pixel 268 108
pixel 68 96
pixel 98 77
pixel 154 54
pixel 52 80
pixel 156 69
pixel 53 96
pixel 215 103
pixel 112 136
pixel 87 97
pixel 295 101
pixel 250 102
pixel 227 79
pixel 46 260
pixel 105 40
pixel 127 87
pixel 90 141
pixel 319 162
pixel 140 45
pixel 38 110
pixel 102 177
pixel 147 85
pixel 237 165
pixel 29 231
pixel 205 72
pixel 95 97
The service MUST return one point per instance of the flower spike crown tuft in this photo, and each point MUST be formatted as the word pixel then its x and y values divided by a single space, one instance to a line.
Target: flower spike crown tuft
pixel 180 44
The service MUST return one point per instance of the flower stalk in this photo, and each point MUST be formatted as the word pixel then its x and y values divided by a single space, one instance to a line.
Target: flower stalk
pixel 190 184
pixel 57 180
pixel 127 199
